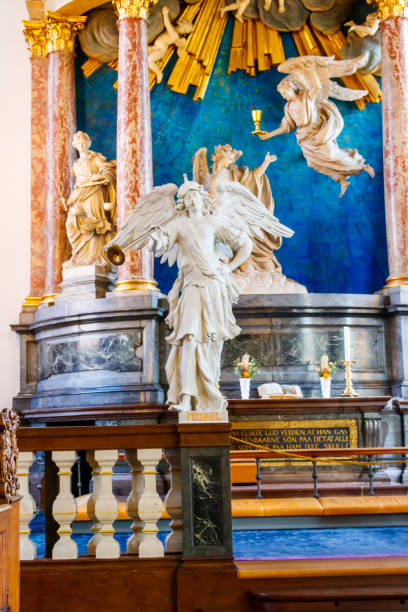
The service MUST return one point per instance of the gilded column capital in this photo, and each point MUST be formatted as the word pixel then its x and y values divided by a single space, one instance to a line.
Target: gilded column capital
pixel 61 31
pixel 35 33
pixel 392 8
pixel 133 8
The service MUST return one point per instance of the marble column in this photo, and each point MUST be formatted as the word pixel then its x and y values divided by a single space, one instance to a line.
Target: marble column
pixel 61 121
pixel 134 138
pixel 35 34
pixel 394 27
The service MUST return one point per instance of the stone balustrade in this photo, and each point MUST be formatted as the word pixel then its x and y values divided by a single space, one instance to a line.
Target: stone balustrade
pixel 143 448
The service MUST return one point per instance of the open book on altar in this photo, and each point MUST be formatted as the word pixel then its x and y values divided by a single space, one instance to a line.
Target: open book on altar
pixel 277 391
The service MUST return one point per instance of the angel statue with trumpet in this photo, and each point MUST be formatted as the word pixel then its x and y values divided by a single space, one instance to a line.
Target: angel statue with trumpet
pixel 317 120
pixel 208 237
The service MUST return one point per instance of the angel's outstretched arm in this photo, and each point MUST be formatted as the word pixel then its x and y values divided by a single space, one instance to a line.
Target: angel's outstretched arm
pixel 282 129
pixel 167 23
pixel 265 164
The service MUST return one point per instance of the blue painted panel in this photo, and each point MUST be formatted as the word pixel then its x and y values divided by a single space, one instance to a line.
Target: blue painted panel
pixel 340 244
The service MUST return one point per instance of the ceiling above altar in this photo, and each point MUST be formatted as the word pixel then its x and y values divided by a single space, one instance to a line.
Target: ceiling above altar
pixel 318 27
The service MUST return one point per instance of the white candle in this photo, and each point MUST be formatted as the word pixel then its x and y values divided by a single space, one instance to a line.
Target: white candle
pixel 347 344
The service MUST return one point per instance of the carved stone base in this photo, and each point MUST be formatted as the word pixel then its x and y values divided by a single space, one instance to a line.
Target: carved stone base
pixel 195 416
pixel 97 353
pixel 397 338
pixel 273 282
pixel 86 282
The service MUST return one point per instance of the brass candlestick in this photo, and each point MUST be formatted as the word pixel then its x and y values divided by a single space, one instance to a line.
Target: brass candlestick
pixel 348 391
pixel 256 118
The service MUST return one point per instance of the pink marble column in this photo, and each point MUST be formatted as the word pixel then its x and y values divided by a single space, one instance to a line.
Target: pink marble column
pixel 134 143
pixel 39 73
pixel 61 120
pixel 395 142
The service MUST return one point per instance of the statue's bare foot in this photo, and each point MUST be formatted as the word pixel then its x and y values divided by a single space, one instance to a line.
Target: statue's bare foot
pixel 239 17
pixel 183 406
pixel 159 77
pixel 344 185
pixel 369 170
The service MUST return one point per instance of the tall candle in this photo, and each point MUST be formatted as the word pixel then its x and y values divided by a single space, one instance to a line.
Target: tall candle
pixel 347 344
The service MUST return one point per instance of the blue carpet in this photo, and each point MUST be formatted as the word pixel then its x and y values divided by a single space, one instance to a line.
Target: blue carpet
pixel 284 543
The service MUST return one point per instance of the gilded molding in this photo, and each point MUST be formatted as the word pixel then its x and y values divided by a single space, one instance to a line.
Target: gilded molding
pixel 133 8
pixel 35 32
pixel 137 284
pixel 396 281
pixel 31 302
pixel 392 8
pixel 61 31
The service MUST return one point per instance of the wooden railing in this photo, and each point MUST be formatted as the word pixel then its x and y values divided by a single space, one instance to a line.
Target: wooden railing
pixel 185 447
pixel 9 513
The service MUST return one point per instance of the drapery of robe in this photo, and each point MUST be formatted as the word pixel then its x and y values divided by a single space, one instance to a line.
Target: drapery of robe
pixel 200 315
pixel 88 226
pixel 262 256
pixel 318 125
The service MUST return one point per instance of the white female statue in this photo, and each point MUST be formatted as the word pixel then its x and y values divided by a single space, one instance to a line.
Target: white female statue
pixel 91 206
pixel 317 120
pixel 200 234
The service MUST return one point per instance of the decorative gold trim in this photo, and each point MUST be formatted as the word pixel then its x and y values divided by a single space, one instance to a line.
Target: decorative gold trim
pixel 315 423
pixel 32 301
pixel 49 299
pixel 396 281
pixel 133 8
pixel 62 30
pixel 392 8
pixel 137 284
pixel 35 32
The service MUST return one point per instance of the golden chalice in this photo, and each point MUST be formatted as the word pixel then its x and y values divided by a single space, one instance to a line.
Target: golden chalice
pixel 256 118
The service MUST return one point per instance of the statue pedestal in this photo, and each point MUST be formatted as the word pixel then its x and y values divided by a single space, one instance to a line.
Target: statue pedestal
pixel 207 416
pixel 265 282
pixel 86 282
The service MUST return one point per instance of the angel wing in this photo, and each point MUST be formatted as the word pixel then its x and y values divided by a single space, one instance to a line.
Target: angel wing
pixel 244 211
pixel 201 172
pixel 315 73
pixel 151 210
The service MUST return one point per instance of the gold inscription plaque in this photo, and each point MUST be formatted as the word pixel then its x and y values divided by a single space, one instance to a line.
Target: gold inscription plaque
pixel 335 433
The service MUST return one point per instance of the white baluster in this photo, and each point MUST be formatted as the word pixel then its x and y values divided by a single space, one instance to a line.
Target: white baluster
pixel 150 506
pixel 64 507
pixel 174 541
pixel 28 549
pixel 132 504
pixel 102 506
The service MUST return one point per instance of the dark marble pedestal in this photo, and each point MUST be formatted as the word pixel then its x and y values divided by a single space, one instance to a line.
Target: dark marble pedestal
pixel 95 352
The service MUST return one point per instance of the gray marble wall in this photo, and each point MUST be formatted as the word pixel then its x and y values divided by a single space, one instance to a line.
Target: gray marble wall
pixel 112 350
pixel 288 334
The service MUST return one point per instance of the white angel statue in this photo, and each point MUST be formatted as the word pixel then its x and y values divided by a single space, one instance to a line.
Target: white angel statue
pixel 317 120
pixel 261 272
pixel 201 234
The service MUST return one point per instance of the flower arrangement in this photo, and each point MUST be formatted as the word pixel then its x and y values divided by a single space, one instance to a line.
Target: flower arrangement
pixel 245 366
pixel 327 368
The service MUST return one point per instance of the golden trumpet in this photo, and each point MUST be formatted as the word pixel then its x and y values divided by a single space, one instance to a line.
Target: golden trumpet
pixel 115 254
pixel 256 118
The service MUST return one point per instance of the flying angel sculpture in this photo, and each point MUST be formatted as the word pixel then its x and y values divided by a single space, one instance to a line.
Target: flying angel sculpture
pixel 317 120
pixel 209 238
